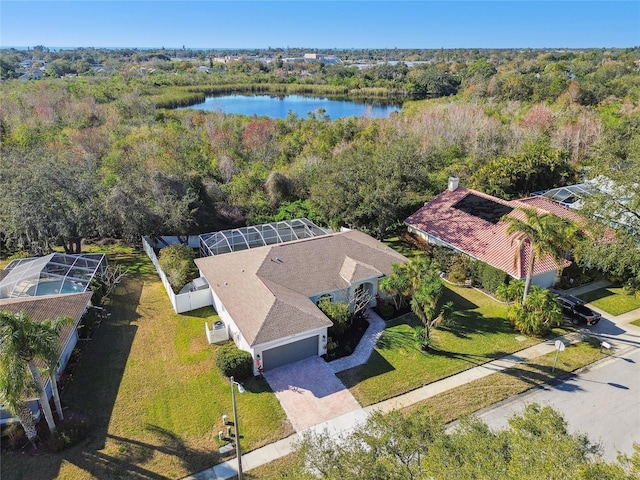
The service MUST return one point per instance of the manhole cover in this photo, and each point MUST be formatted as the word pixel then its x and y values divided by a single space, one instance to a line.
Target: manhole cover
pixel 520 338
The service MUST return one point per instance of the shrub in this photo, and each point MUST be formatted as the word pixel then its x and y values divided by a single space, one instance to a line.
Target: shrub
pixel 460 268
pixel 69 434
pixel 338 313
pixel 177 263
pixel 488 277
pixel 13 436
pixel 386 311
pixel 234 362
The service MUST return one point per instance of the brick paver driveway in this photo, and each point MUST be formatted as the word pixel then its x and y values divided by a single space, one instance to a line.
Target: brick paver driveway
pixel 310 393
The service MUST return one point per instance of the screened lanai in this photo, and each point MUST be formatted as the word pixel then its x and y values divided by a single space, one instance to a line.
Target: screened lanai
pixel 56 273
pixel 570 196
pixel 244 238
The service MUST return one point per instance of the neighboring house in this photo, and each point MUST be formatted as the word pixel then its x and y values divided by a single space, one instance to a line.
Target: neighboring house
pixel 32 74
pixel 267 296
pixel 49 287
pixel 470 222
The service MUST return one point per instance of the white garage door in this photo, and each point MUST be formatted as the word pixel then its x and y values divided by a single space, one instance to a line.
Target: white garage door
pixel 289 353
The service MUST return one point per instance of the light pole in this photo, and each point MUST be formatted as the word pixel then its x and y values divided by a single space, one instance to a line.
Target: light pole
pixel 235 423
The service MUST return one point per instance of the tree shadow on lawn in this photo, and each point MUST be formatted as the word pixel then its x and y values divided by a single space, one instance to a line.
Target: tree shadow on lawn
pixel 132 453
pixel 473 359
pixel 466 324
pixel 377 365
pixel 598 294
pixel 460 303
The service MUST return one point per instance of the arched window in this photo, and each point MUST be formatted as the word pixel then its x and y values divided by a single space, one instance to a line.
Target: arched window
pixel 324 296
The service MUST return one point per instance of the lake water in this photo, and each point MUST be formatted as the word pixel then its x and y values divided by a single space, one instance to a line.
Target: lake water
pixel 279 107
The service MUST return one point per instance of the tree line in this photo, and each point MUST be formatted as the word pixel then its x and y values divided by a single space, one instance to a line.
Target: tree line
pixel 95 156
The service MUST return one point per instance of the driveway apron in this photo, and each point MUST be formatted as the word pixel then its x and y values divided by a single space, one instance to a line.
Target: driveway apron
pixel 310 393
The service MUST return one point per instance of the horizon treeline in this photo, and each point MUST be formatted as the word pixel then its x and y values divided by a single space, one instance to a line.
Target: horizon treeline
pixel 94 154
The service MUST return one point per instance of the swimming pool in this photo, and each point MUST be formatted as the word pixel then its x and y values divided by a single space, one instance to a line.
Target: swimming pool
pixel 54 287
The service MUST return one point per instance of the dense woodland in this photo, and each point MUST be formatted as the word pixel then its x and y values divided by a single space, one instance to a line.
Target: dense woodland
pixel 95 155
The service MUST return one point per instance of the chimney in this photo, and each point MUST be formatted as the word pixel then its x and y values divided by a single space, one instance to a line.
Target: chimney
pixel 453 184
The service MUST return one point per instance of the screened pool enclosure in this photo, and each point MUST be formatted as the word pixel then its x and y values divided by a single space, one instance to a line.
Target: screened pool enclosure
pixel 227 241
pixel 54 274
pixel 570 196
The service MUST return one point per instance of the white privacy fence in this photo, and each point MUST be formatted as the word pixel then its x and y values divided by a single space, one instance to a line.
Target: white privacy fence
pixel 196 294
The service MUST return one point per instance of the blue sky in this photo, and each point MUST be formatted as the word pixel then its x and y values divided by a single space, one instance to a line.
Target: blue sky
pixel 320 24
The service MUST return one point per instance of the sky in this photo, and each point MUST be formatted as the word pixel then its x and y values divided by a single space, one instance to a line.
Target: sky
pixel 320 24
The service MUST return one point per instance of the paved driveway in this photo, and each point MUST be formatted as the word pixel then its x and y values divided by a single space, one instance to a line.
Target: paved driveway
pixel 310 393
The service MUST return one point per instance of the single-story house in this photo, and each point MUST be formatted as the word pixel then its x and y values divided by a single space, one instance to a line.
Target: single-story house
pixel 50 287
pixel 267 296
pixel 470 222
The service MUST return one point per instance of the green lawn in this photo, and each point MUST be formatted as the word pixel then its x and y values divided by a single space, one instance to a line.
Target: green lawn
pixel 481 334
pixel 402 246
pixel 612 300
pixel 149 384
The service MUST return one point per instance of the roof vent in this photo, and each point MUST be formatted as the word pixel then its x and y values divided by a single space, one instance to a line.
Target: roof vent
pixel 453 184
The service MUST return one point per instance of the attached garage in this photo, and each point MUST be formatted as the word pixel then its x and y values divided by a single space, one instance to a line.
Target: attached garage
pixel 289 353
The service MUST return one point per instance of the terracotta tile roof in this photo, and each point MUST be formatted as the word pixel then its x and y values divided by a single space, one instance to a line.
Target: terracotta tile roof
pixel 483 239
pixel 50 307
pixel 266 290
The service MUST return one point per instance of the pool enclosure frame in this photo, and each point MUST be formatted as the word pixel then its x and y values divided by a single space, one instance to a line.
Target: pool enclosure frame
pixel 243 238
pixel 27 277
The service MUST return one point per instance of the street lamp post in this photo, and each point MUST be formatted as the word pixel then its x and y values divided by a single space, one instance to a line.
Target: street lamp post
pixel 235 423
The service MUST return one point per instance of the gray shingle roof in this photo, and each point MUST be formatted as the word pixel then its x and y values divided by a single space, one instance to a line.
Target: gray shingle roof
pixel 51 307
pixel 266 290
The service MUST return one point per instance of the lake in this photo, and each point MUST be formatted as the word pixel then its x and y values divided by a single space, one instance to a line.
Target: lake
pixel 279 107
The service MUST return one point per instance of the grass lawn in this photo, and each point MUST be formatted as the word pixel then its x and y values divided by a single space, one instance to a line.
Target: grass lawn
pixel 612 300
pixel 636 323
pixel 403 247
pixel 481 334
pixel 148 382
pixel 472 397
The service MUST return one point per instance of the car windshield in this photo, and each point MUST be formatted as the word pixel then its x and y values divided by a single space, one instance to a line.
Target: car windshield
pixel 584 310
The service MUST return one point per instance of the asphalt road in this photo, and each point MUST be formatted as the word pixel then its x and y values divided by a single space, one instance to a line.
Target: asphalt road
pixel 602 402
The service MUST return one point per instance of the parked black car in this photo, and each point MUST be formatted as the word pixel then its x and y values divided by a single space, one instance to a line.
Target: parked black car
pixel 577 312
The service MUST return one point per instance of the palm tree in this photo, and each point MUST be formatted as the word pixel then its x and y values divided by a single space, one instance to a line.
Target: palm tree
pixel 537 314
pixel 14 388
pixel 52 356
pixel 22 342
pixel 544 234
pixel 424 302
pixel 397 284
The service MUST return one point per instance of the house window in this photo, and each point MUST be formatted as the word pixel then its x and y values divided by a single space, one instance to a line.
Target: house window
pixel 326 296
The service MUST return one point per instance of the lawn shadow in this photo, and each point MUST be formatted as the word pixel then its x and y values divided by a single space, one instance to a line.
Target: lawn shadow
pixel 396 338
pixel 598 294
pixel 473 359
pixel 131 453
pixel 460 303
pixel 466 323
pixel 377 365
pixel 99 371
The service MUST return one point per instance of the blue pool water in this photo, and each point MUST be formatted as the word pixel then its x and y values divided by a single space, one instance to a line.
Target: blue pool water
pixel 54 287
